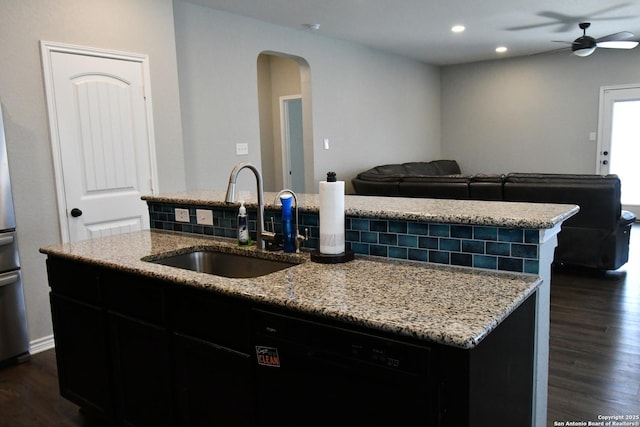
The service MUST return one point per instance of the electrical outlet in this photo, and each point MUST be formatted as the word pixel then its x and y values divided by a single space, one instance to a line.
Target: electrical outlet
pixel 242 149
pixel 182 215
pixel 204 217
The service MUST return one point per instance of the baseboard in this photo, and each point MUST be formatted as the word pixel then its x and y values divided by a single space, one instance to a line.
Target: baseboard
pixel 41 344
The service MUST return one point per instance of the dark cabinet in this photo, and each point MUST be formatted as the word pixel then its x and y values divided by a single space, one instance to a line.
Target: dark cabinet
pixel 138 351
pixel 81 353
pixel 214 378
pixel 80 332
pixel 140 362
pixel 112 346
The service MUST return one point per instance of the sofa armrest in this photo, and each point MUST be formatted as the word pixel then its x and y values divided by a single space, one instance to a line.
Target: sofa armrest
pixel 627 218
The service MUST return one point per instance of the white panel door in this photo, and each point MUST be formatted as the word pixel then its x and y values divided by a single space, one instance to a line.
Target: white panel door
pixel 100 116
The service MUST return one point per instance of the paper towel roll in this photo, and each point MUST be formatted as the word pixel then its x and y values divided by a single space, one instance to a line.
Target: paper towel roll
pixel 331 217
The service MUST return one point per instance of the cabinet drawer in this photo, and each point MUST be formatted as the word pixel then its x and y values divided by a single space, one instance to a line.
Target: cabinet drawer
pixel 74 279
pixel 211 317
pixel 135 296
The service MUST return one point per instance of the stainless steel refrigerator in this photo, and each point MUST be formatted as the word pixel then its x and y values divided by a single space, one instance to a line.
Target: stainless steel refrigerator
pixel 14 338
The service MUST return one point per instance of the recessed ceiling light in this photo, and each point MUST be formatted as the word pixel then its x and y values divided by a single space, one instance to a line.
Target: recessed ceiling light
pixel 311 27
pixel 458 28
pixel 501 49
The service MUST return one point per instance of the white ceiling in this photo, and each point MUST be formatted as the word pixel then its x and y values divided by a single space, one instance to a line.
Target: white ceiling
pixel 421 29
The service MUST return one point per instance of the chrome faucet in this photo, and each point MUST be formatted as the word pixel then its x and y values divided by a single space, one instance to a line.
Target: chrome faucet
pixel 261 235
pixel 298 237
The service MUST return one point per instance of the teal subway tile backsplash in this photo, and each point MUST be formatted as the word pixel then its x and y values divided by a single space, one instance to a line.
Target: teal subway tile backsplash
pixel 493 248
pixel 418 228
pixel 440 230
pixel 511 235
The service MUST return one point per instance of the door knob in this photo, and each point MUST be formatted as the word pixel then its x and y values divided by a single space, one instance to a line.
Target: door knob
pixel 605 162
pixel 605 153
pixel 75 212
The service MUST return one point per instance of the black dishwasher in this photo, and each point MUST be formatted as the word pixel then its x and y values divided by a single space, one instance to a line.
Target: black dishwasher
pixel 312 374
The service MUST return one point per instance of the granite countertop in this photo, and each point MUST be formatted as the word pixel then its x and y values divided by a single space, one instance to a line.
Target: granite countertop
pixel 472 212
pixel 447 305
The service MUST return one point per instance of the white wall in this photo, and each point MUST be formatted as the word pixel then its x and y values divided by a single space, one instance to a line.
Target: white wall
pixel 530 114
pixel 374 107
pixel 140 26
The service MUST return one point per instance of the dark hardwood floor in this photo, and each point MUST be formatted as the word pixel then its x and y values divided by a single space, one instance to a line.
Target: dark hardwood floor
pixel 29 396
pixel 594 355
pixel 594 361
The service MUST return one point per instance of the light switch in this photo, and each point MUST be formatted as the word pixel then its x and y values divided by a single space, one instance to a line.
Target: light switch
pixel 182 215
pixel 326 143
pixel 242 149
pixel 592 136
pixel 204 217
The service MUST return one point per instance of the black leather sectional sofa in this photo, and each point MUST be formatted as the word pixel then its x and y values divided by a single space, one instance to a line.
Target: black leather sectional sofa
pixel 596 237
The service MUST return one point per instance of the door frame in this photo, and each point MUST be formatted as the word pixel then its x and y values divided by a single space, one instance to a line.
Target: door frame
pixel 285 139
pixel 602 119
pixel 46 49
pixel 604 132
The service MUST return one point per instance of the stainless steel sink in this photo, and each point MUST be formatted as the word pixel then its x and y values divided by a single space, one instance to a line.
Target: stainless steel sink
pixel 224 264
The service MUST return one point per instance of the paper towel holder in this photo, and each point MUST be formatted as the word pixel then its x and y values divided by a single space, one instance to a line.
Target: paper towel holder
pixel 346 256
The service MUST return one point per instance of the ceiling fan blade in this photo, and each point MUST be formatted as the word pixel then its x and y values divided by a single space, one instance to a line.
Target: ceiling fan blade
pixel 622 35
pixel 618 44
pixel 529 27
pixel 609 9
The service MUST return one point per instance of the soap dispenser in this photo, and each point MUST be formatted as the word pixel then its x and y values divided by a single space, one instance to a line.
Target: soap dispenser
pixel 288 232
pixel 243 226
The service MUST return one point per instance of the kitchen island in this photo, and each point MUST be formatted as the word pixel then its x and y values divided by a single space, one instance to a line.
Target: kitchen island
pixel 466 323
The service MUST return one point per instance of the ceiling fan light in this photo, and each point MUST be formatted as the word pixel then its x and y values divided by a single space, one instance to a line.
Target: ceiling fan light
pixel 618 44
pixel 584 52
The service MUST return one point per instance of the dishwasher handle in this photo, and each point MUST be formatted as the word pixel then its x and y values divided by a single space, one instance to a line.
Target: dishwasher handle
pixel 8 279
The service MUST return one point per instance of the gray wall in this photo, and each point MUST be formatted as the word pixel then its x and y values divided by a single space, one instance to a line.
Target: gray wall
pixel 530 114
pixel 140 26
pixel 374 107
pixel 278 76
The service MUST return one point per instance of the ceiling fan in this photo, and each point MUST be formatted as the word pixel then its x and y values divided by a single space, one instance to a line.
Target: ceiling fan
pixel 585 45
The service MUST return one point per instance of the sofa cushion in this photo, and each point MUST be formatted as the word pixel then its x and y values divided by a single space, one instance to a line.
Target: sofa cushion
pixel 435 167
pixel 375 188
pixel 447 167
pixel 435 186
pixel 384 173
pixel 420 168
pixel 598 196
pixel 486 187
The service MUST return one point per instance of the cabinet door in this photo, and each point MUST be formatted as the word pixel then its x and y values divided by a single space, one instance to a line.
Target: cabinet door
pixel 142 372
pixel 214 384
pixel 81 353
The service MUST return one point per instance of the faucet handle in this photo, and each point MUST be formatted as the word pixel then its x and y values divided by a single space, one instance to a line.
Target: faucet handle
pixel 267 235
pixel 300 238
